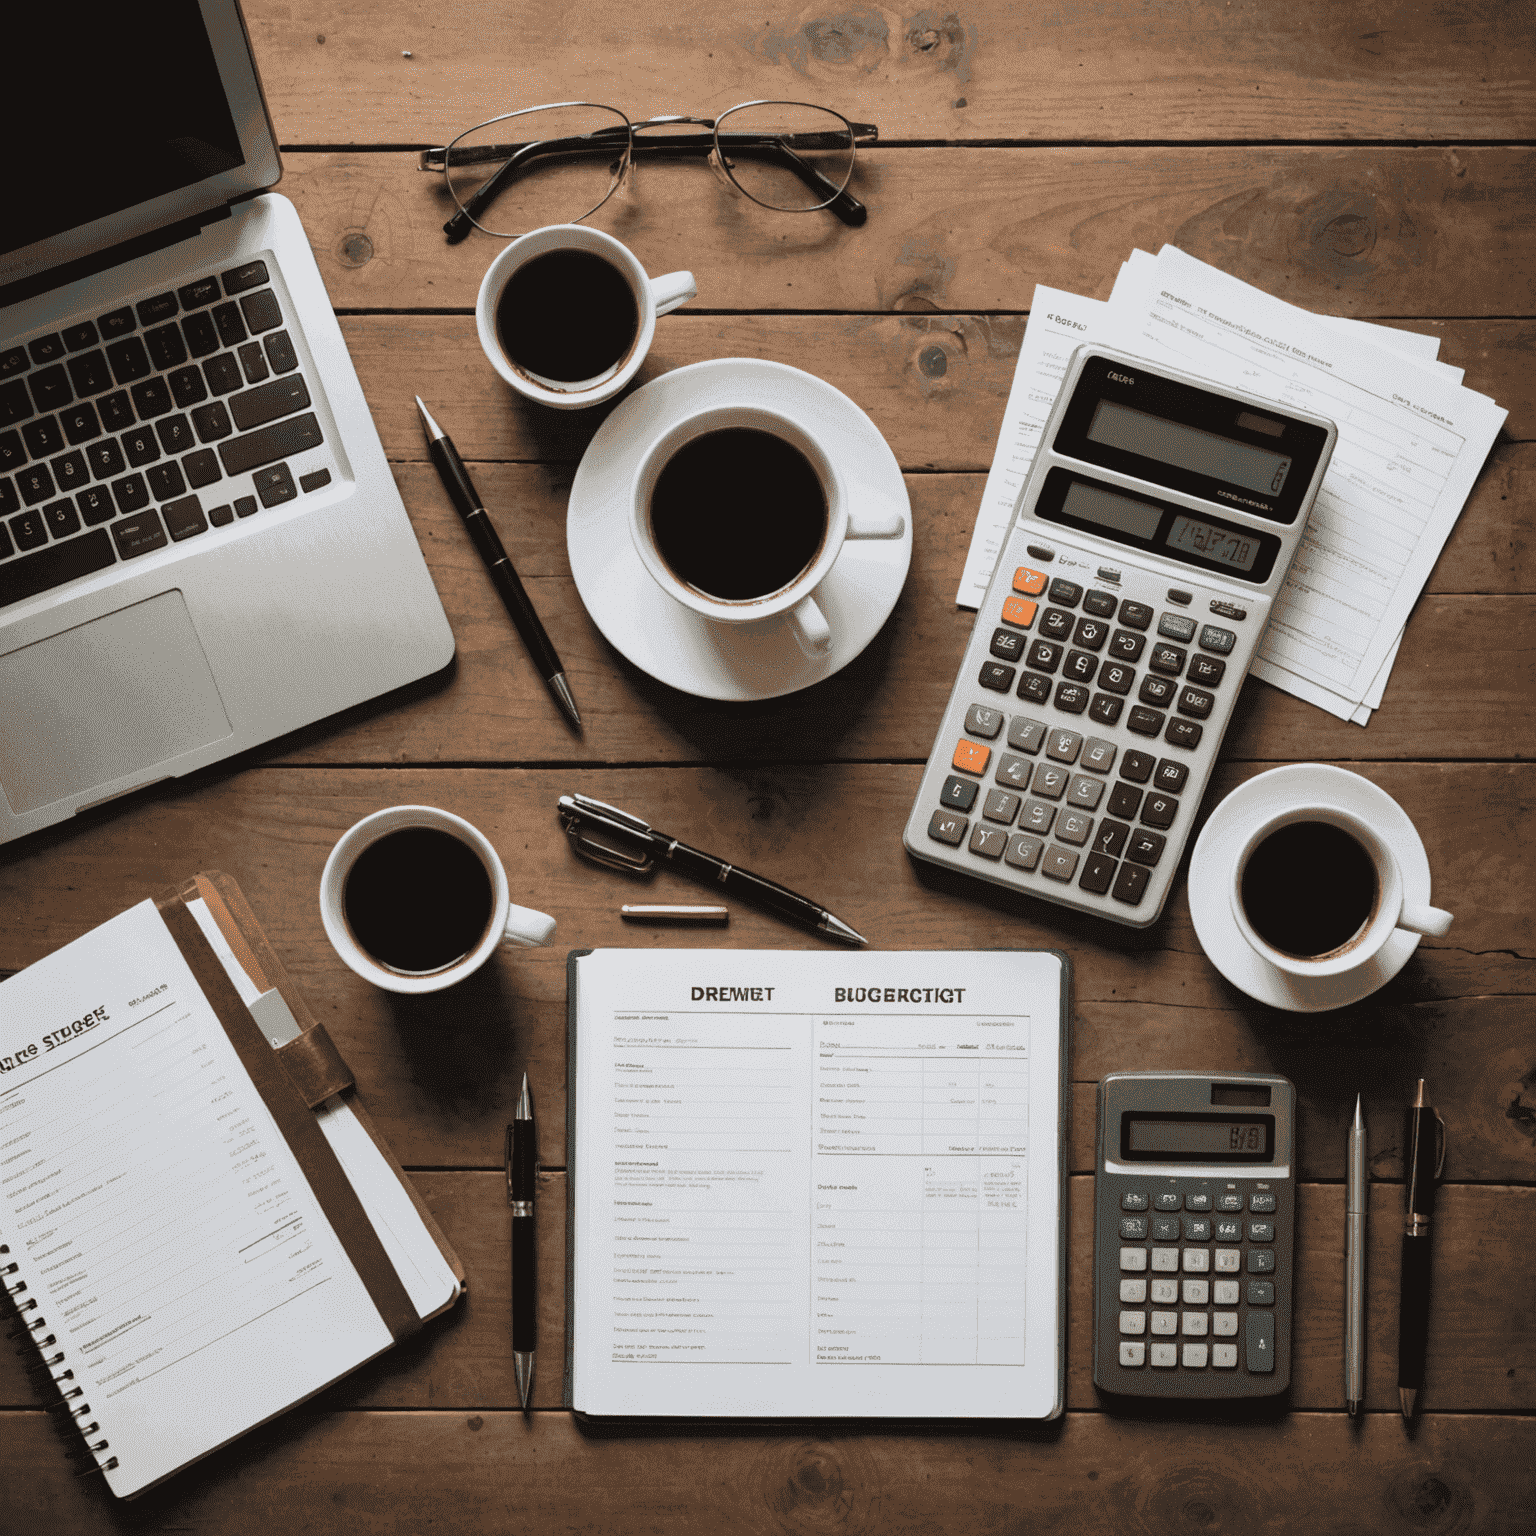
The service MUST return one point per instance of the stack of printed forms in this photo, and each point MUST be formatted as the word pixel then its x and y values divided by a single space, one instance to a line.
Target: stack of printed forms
pixel 1411 442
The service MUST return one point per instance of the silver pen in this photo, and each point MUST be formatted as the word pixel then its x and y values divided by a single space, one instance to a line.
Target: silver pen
pixel 1355 1202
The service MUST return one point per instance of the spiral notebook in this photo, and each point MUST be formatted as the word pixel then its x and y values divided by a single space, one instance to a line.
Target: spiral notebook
pixel 199 1227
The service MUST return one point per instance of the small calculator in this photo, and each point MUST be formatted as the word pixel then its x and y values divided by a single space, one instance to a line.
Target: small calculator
pixel 1193 1234
pixel 1152 534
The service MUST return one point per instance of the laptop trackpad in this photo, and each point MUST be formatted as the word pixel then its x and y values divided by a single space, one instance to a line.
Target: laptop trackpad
pixel 112 697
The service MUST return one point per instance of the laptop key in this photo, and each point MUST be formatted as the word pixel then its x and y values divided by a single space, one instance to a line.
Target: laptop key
pixel 212 422
pixel 61 518
pixel 89 373
pixel 50 388
pixel 9 500
pixel 222 373
pixel 238 279
pixel 95 504
pixel 165 346
pixel 29 529
pixel 13 360
pixel 204 291
pixel 187 386
pixel 230 326
pixel 7 549
pixel 151 398
pixel 128 358
pixel 46 349
pixel 42 437
pixel 78 337
pixel 80 422
pixel 118 323
pixel 261 311
pixel 202 335
pixel 140 446
pixel 184 518
pixel 175 433
pixel 202 468
pixel 12 454
pixel 138 535
pixel 116 413
pixel 256 407
pixel 267 444
pixel 35 484
pixel 165 481
pixel 51 567
pixel 280 352
pixel 70 472
pixel 153 311
pixel 245 505
pixel 105 458
pixel 130 493
pixel 15 402
pixel 253 361
pixel 275 485
pixel 220 515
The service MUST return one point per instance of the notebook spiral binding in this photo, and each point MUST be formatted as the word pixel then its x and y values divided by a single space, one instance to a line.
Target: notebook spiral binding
pixel 69 1389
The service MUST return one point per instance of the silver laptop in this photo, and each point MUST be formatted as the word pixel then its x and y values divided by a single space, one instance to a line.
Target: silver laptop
pixel 201 544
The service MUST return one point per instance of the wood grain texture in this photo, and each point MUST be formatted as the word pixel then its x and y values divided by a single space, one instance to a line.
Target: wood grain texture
pixel 1203 69
pixel 1355 231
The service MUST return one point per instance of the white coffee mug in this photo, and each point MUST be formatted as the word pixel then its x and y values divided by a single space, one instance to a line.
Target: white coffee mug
pixel 1389 911
pixel 653 296
pixel 510 925
pixel 796 599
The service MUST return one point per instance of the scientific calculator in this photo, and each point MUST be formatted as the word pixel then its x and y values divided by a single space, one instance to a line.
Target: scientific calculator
pixel 1153 532
pixel 1194 1233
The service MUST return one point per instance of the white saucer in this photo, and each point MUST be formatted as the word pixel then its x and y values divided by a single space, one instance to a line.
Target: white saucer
pixel 1215 855
pixel 678 646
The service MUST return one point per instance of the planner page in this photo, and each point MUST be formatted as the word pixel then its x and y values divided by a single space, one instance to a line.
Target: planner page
pixel 159 1219
pixel 814 1184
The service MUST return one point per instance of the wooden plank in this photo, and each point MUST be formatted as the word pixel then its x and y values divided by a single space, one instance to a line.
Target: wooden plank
pixel 310 1472
pixel 336 72
pixel 1481 1354
pixel 440 1073
pixel 1365 232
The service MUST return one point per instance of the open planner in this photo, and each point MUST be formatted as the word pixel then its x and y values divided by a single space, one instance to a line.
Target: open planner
pixel 199 1226
pixel 808 1185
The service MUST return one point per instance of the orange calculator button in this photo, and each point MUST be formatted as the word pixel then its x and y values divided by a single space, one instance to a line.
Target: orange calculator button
pixel 1019 611
pixel 971 756
pixel 1030 583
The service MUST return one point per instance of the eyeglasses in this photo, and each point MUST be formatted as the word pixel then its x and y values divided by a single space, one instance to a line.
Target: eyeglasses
pixel 572 156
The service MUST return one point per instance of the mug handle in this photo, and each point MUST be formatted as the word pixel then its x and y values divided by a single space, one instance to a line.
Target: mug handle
pixel 527 929
pixel 1426 919
pixel 673 289
pixel 811 628
pixel 880 525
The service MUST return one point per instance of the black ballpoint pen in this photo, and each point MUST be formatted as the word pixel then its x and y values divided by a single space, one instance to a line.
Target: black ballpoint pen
pixel 461 491
pixel 521 1174
pixel 613 837
pixel 1423 1160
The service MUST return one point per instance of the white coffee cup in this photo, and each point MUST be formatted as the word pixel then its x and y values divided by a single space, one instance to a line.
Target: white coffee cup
pixel 1389 911
pixel 653 297
pixel 796 598
pixel 509 924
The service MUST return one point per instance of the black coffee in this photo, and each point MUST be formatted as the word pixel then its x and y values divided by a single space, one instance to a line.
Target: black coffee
pixel 1309 888
pixel 418 900
pixel 738 513
pixel 567 315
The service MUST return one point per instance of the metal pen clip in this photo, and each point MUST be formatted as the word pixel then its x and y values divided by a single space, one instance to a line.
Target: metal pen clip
pixel 585 818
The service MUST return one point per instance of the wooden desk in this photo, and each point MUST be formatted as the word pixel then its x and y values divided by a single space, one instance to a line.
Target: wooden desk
pixel 1350 158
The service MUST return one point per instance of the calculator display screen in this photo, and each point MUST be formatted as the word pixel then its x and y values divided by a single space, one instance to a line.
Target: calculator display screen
pixel 1154 1138
pixel 1106 509
pixel 1219 544
pixel 1186 447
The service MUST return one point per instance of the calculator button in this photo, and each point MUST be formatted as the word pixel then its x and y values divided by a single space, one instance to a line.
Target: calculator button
pixel 1019 611
pixel 1023 851
pixel 988 842
pixel 1176 626
pixel 1112 836
pixel 1106 573
pixel 980 720
pixel 1063 746
pixel 1133 1353
pixel 1258 1202
pixel 1085 792
pixel 1261 1261
pixel 1133 1292
pixel 1134 1228
pixel 995 676
pixel 1041 551
pixel 1183 733
pixel 1105 709
pixel 971 756
pixel 1182 598
pixel 958 794
pixel 1156 690
pixel 1006 645
pixel 1080 666
pixel 1117 677
pixel 1228 1230
pixel 1171 776
pixel 1195 1325
pixel 1197 1260
pixel 1137 615
pixel 1196 1292
pixel 1168 659
pixel 1074 827
pixel 1044 656
pixel 1101 604
pixel 1133 1200
pixel 1197 702
pixel 1063 591
pixel 1224 1324
pixel 1049 781
pixel 1098 871
pixel 1159 812
pixel 1164 1322
pixel 1133 1322
pixel 1169 1201
pixel 1165 1354
pixel 1228 610
pixel 1025 734
pixel 1130 884
pixel 1197 1229
pixel 1146 847
pixel 1165 1292
pixel 946 827
pixel 1126 645
pixel 1195 1355
pixel 1165 1229
pixel 1059 863
pixel 1013 770
pixel 1030 583
pixel 999 806
pixel 1261 1341
pixel 1137 767
pixel 1223 1356
pixel 1037 817
pixel 1214 638
pixel 1056 624
pixel 1145 722
pixel 1229 1202
pixel 1091 633
pixel 1261 1293
pixel 1261 1231
pixel 1098 755
pixel 1071 698
pixel 1034 688
pixel 1228 1261
pixel 1224 1293
pixel 1206 669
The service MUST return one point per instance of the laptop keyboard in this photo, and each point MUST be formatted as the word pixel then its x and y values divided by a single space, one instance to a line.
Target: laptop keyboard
pixel 118 435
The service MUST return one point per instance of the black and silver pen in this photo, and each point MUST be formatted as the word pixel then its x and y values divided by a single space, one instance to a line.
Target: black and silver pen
pixel 461 491
pixel 1355 1197
pixel 613 837
pixel 521 1176
pixel 1423 1160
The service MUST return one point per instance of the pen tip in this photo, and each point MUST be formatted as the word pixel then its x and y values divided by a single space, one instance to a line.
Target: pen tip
pixel 840 930
pixel 524 1103
pixel 1419 1101
pixel 433 430
pixel 564 698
